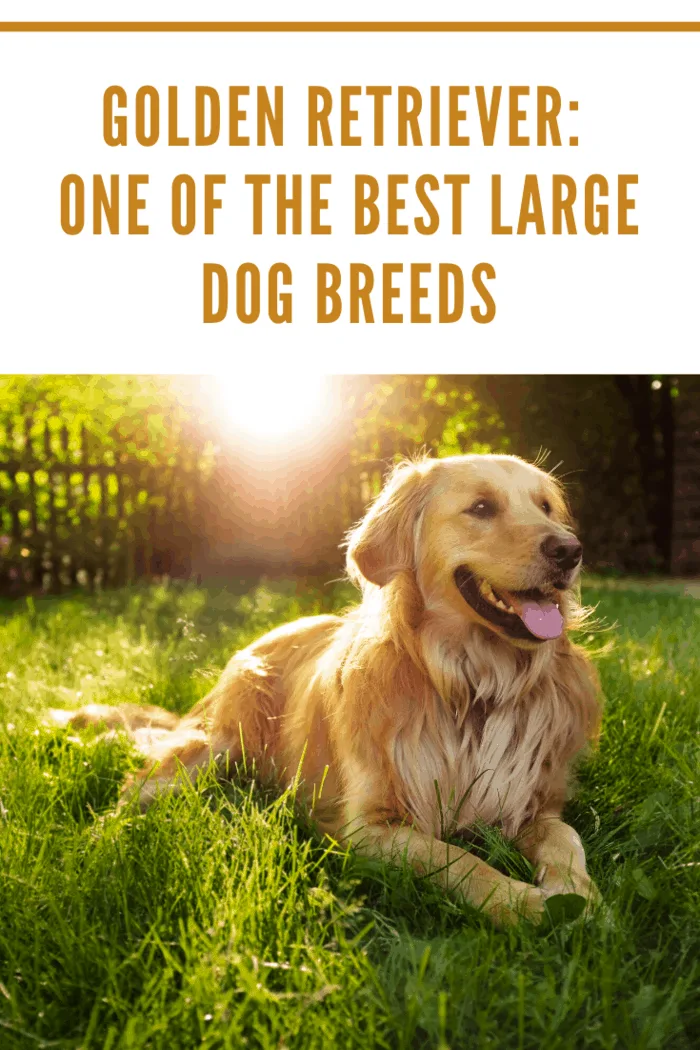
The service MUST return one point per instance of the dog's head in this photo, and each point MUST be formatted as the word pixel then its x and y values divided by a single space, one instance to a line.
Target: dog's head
pixel 487 538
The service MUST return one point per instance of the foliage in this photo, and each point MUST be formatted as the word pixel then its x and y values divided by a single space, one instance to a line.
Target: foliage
pixel 406 415
pixel 139 417
pixel 218 920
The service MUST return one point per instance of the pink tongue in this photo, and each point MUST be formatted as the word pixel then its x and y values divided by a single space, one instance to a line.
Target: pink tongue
pixel 542 619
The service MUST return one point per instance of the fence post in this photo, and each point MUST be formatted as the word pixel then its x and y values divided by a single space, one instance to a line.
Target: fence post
pixel 685 547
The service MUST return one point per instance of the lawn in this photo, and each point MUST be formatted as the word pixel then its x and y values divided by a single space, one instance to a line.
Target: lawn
pixel 217 919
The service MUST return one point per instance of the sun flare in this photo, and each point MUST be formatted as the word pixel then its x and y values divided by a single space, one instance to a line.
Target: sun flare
pixel 271 407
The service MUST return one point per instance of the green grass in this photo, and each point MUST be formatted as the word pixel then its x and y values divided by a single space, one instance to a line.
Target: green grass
pixel 217 919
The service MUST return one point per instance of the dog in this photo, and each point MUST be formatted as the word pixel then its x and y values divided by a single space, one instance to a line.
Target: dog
pixel 450 695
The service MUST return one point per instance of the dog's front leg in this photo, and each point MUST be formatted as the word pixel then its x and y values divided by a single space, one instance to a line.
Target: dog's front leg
pixel 454 869
pixel 556 852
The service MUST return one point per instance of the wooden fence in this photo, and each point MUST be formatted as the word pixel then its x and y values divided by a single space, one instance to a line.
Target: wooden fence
pixel 325 513
pixel 685 545
pixel 77 510
pixel 259 522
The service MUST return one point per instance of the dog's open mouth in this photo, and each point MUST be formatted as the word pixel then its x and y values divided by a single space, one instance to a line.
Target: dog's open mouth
pixel 528 615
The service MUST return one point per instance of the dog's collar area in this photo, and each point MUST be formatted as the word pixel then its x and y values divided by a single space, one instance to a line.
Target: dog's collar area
pixel 496 608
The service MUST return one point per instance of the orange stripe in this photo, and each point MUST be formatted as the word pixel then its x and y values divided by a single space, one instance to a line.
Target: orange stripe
pixel 349 27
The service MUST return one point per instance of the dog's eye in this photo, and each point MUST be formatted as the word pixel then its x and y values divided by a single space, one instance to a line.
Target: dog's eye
pixel 483 508
pixel 546 507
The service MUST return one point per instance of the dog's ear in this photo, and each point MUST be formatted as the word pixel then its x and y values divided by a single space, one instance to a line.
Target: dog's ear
pixel 383 542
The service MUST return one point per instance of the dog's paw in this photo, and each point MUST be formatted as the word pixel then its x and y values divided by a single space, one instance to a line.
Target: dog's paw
pixel 514 901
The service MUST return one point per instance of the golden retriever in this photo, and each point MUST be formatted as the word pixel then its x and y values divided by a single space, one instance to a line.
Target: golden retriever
pixel 451 694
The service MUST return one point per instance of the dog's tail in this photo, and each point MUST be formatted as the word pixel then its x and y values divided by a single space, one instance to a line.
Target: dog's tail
pixel 143 723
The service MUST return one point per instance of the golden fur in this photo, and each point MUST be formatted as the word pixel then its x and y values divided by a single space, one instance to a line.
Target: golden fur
pixel 411 716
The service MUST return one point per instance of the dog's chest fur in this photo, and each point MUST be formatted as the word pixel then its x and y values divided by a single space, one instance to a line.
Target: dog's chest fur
pixel 484 761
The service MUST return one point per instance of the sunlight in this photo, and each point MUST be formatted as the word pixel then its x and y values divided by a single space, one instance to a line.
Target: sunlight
pixel 271 407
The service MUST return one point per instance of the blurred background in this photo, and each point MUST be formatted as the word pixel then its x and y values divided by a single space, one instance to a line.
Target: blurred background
pixel 105 480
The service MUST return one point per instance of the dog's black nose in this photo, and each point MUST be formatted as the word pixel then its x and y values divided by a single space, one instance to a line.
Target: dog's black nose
pixel 564 551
